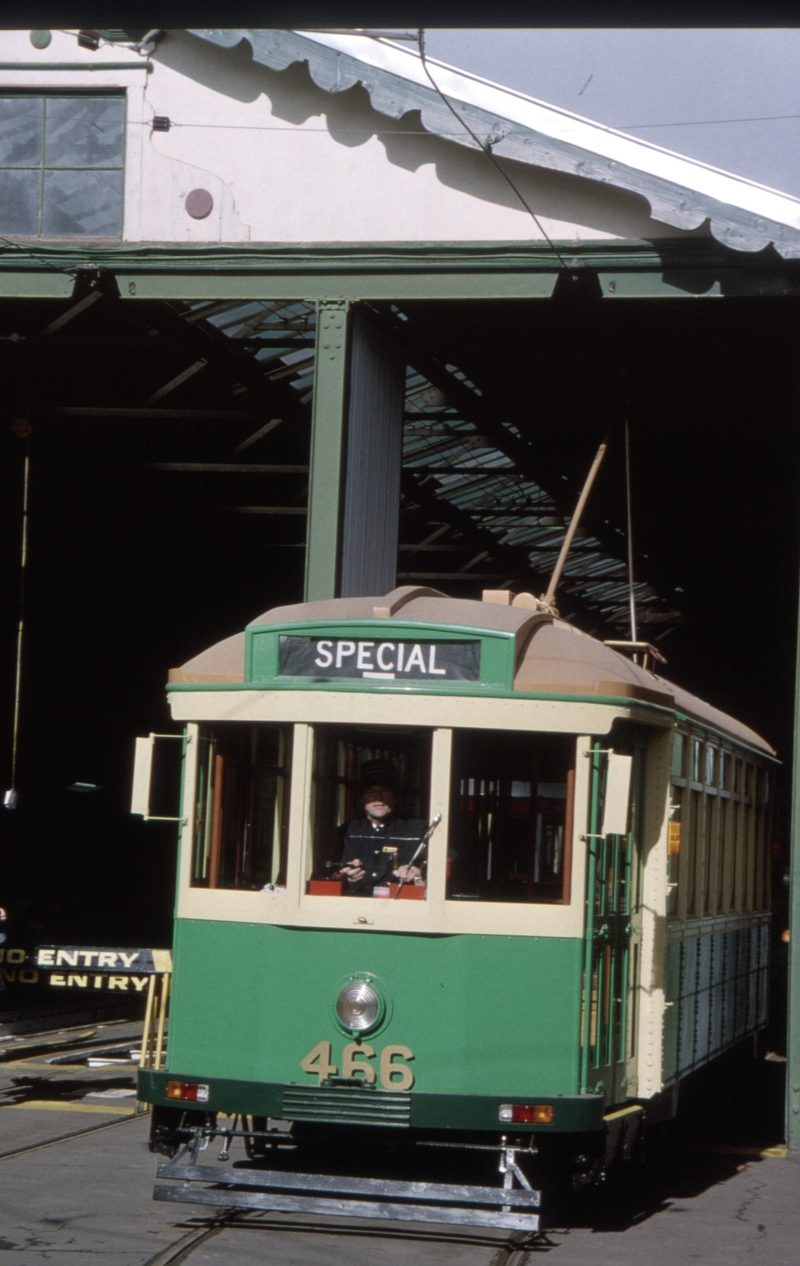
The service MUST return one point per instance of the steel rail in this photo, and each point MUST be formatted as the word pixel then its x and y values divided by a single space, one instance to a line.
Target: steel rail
pixel 74 1134
pixel 180 1250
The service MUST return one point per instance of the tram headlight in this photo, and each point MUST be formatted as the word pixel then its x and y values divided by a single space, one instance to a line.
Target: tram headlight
pixel 358 1007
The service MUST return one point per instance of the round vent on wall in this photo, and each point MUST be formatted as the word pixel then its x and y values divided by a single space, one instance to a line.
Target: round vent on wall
pixel 199 204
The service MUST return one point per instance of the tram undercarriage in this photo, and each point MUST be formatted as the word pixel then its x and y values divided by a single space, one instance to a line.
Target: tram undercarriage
pixel 461 1177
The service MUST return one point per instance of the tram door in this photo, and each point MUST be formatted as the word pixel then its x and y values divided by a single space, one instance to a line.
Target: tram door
pixel 613 928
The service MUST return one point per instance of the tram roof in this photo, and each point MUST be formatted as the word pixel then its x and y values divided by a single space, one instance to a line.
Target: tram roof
pixel 552 656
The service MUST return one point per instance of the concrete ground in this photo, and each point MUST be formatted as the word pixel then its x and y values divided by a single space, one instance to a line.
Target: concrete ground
pixel 721 1190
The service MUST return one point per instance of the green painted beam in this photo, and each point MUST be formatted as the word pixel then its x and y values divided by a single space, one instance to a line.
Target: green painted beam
pixel 793 1018
pixel 327 451
pixel 394 270
pixel 47 284
pixel 347 287
pixel 393 287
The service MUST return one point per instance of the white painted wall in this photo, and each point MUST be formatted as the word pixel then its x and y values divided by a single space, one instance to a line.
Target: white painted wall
pixel 286 162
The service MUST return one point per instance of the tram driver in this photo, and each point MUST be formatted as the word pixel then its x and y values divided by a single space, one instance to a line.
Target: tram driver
pixel 379 846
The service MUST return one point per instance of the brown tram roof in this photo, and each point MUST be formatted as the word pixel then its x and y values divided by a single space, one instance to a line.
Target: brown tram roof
pixel 552 655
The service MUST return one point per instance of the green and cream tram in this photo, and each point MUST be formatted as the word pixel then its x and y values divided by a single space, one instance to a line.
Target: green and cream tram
pixel 589 924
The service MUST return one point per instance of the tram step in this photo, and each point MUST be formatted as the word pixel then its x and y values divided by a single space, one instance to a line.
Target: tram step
pixel 322 1194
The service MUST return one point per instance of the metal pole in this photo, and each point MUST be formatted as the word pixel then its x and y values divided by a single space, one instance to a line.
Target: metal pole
pixel 573 526
pixel 631 597
pixel 591 879
pixel 327 451
pixel 793 1000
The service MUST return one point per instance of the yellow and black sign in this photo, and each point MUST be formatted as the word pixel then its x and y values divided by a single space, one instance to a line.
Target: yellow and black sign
pixel 140 961
pixel 107 970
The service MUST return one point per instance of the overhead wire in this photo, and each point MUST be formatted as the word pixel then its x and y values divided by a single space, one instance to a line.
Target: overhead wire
pixel 10 800
pixel 631 589
pixel 487 150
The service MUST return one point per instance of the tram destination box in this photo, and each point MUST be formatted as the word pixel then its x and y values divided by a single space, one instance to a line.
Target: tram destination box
pixel 373 659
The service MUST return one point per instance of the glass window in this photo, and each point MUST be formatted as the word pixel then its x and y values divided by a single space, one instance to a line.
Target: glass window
pixel 678 749
pixel 242 806
pixel 696 769
pixel 712 874
pixel 674 849
pixel 711 766
pixel 510 817
pixel 689 860
pixel 371 790
pixel 729 818
pixel 61 165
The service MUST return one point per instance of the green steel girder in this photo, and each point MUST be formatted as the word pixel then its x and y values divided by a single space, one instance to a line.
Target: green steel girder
pixel 396 270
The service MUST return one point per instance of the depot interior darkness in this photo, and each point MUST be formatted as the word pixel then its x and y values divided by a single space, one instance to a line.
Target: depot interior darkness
pixel 134 566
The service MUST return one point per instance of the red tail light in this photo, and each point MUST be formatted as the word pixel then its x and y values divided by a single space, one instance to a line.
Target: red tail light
pixel 526 1113
pixel 188 1091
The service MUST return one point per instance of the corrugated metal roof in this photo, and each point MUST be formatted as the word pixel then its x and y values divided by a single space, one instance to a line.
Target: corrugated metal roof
pixel 471 515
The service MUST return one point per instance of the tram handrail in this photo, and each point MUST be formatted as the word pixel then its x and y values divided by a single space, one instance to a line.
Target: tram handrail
pixel 155 1017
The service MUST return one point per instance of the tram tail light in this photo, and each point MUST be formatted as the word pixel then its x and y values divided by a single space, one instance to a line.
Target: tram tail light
pixel 526 1113
pixel 188 1091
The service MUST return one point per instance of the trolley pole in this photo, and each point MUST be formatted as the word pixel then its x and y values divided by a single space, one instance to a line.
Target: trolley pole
pixel 793 1000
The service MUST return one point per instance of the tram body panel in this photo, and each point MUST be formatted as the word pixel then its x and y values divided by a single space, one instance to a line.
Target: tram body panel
pixel 481 1015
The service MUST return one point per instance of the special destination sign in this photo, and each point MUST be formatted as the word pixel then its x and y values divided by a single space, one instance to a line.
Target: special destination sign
pixel 379 661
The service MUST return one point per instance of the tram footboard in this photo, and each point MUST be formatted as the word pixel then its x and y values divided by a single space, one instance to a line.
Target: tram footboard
pixel 323 1194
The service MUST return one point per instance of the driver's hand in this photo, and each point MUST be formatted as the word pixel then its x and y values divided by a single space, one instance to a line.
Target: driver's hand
pixel 408 872
pixel 353 870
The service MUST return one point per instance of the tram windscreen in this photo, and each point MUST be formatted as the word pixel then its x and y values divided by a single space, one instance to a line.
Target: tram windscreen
pixel 371 790
pixel 242 806
pixel 511 816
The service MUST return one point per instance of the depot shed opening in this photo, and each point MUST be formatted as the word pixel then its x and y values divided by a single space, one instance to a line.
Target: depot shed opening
pixel 227 403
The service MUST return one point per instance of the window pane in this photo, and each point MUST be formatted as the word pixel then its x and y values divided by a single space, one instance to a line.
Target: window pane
pixel 82 204
pixel 21 131
pixel 347 763
pixel 241 816
pixel 509 816
pixel 19 202
pixel 83 132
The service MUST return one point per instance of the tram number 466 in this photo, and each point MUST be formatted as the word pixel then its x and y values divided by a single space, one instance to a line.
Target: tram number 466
pixel 393 1073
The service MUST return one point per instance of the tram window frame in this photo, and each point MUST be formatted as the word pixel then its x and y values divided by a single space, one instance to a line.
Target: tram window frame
pixel 709 861
pixel 500 755
pixel 727 827
pixel 224 854
pixel 748 902
pixel 678 822
pixel 679 748
pixel 335 799
pixel 676 846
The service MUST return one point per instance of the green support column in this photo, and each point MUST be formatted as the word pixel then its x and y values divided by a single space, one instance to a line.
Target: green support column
pixel 327 450
pixel 793 1018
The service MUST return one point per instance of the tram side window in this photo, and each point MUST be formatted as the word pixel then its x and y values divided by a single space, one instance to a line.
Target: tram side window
pixel 511 816
pixel 349 763
pixel 242 810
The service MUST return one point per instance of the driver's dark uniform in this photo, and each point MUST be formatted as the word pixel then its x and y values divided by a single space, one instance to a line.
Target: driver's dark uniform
pixel 381 849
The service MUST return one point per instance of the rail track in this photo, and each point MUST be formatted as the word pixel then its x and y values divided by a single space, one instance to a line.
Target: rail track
pixel 40 1059
pixel 510 1252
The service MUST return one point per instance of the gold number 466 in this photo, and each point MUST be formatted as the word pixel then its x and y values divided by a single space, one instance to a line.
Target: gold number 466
pixel 393 1072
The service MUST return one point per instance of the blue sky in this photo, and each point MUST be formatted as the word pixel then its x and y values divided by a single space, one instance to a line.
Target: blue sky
pixel 709 94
